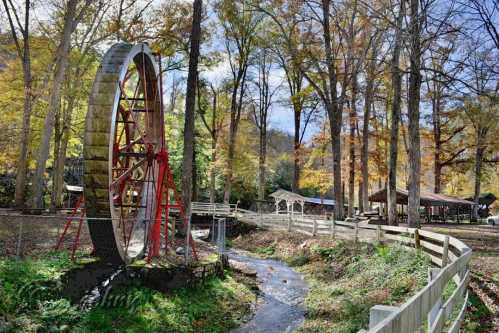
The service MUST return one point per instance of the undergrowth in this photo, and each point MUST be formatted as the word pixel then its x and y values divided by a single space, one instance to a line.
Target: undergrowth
pixel 345 279
pixel 32 301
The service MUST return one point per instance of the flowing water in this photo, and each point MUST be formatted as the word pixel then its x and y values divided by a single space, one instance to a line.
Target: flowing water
pixel 283 292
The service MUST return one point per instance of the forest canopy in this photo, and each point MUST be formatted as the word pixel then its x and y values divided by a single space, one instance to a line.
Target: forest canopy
pixel 331 99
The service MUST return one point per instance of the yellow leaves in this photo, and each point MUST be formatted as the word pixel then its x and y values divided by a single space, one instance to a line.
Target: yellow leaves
pixel 320 180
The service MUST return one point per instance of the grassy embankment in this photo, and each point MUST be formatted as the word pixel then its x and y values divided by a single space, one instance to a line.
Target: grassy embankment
pixel 215 306
pixel 345 279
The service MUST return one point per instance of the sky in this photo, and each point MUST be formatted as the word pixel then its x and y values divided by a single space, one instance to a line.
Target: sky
pixel 281 116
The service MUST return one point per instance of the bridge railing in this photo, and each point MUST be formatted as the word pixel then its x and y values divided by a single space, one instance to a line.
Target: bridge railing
pixel 218 209
pixel 427 306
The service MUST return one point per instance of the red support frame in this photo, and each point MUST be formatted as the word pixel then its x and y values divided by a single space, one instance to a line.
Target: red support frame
pixel 76 241
pixel 164 205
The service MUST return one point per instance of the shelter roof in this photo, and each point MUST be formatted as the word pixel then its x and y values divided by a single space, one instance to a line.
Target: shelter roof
pixel 427 198
pixel 485 198
pixel 295 197
pixel 287 195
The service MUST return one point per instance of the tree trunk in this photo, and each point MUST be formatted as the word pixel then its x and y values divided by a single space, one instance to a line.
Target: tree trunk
pixel 437 138
pixel 212 172
pixel 359 197
pixel 24 55
pixel 22 162
pixel 351 178
pixel 59 179
pixel 335 116
pixel 262 161
pixel 413 112
pixel 235 114
pixel 214 137
pixel 479 153
pixel 54 102
pixel 296 148
pixel 364 156
pixel 195 186
pixel 395 116
pixel 190 102
pixel 55 154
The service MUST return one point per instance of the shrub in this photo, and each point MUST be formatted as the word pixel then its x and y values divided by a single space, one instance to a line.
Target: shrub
pixel 268 251
pixel 298 260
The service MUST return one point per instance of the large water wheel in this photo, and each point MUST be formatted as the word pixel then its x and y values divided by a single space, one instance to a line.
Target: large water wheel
pixel 124 134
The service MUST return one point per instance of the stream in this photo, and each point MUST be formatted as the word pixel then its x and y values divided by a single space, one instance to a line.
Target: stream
pixel 283 292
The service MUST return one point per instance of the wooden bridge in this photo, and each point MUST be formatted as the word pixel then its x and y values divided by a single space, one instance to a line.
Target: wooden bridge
pixel 214 209
pixel 427 307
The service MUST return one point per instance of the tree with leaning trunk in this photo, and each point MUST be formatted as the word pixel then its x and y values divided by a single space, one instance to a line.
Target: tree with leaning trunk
pixel 351 144
pixel 71 19
pixel 93 34
pixel 368 102
pixel 261 109
pixel 190 103
pixel 214 127
pixel 414 147
pixel 395 117
pixel 23 52
pixel 239 28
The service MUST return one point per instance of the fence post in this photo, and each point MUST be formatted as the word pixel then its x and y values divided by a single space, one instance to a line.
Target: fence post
pixel 314 230
pixel 290 223
pixel 379 233
pixel 333 232
pixel 417 240
pixel 19 239
pixel 432 274
pixel 445 253
pixel 378 313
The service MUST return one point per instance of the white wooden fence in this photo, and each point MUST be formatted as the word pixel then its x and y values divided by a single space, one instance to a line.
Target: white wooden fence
pixel 450 256
pixel 217 209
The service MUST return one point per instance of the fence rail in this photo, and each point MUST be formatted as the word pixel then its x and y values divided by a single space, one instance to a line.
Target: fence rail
pixel 450 256
pixel 216 209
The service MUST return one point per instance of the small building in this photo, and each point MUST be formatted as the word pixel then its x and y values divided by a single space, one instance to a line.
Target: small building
pixel 435 207
pixel 295 203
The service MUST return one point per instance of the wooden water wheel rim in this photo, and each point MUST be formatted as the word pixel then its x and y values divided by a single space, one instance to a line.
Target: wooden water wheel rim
pixel 122 137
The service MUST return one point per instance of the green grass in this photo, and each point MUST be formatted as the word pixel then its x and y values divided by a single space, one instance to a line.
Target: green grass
pixel 347 280
pixel 216 306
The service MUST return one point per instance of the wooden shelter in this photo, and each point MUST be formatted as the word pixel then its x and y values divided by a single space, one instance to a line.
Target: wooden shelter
pixel 290 198
pixel 441 204
pixel 305 203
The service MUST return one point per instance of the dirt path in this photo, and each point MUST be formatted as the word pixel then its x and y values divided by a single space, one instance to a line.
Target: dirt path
pixel 283 292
